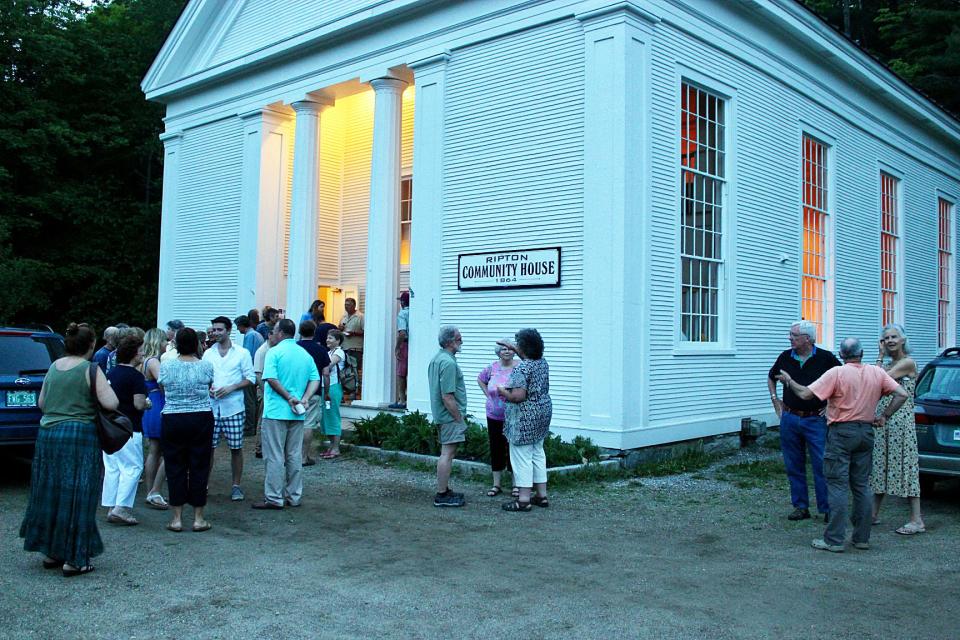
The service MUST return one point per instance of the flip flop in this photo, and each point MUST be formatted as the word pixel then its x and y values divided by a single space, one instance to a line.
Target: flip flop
pixel 329 456
pixel 911 529
pixel 170 527
pixel 206 526
pixel 70 573
pixel 157 502
pixel 492 492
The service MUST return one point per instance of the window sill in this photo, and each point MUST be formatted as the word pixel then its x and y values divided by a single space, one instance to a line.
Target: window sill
pixel 684 351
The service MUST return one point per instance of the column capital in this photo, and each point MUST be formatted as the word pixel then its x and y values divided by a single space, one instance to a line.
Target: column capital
pixel 311 105
pixel 615 13
pixel 171 138
pixel 430 63
pixel 388 85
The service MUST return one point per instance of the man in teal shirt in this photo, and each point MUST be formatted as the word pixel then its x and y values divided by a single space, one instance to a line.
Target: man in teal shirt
pixel 291 380
pixel 448 403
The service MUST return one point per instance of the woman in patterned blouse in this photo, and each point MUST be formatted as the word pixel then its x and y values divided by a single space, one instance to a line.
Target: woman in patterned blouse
pixel 529 410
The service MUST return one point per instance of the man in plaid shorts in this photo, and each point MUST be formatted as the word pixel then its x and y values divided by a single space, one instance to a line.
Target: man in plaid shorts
pixel 232 372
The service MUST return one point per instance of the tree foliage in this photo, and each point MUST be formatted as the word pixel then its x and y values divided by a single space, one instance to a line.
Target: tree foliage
pixel 918 39
pixel 80 160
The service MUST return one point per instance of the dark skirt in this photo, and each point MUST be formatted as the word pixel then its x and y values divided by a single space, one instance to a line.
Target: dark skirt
pixel 65 488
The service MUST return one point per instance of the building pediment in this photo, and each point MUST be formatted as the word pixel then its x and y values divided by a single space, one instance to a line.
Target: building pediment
pixel 213 39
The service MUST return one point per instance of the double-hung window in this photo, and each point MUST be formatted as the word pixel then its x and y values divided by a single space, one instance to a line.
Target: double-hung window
pixel 889 249
pixel 702 198
pixel 815 279
pixel 945 297
pixel 406 217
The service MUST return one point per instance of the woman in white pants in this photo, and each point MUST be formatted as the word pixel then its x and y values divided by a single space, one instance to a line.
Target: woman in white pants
pixel 529 410
pixel 121 470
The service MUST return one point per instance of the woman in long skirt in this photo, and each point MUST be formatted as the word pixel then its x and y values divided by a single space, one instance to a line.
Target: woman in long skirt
pixel 60 521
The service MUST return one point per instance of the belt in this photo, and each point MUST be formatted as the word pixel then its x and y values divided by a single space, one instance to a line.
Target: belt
pixel 801 414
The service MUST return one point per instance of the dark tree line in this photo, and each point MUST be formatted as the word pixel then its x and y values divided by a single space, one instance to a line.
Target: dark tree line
pixel 80 161
pixel 918 39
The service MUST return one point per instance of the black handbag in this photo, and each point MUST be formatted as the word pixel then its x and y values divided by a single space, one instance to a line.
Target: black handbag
pixel 113 428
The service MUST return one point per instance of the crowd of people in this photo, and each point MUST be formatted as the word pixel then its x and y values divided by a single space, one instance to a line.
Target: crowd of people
pixel 185 390
pixel 856 422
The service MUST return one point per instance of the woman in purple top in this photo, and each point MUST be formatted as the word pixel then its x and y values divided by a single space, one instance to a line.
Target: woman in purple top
pixel 495 375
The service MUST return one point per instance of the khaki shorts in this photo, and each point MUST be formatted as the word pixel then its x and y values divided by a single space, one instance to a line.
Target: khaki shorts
pixel 453 432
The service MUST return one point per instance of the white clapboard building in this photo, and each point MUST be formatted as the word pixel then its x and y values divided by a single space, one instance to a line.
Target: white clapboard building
pixel 659 186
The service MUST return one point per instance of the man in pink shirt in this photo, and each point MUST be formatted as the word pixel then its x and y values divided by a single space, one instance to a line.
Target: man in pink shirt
pixel 852 393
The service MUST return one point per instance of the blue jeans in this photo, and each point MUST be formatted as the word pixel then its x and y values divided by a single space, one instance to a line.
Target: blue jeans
pixel 797 435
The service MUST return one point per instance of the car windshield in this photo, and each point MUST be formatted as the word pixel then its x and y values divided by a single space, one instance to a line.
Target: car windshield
pixel 940 383
pixel 22 354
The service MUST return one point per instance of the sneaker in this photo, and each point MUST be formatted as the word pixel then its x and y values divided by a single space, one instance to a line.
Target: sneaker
pixel 237 494
pixel 863 546
pixel 455 494
pixel 821 544
pixel 448 499
pixel 799 514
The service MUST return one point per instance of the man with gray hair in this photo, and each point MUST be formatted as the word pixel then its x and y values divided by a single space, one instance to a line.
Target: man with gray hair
pixel 802 424
pixel 172 327
pixel 109 346
pixel 448 403
pixel 852 393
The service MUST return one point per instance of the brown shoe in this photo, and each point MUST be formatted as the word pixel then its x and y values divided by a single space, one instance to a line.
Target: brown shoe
pixel 266 505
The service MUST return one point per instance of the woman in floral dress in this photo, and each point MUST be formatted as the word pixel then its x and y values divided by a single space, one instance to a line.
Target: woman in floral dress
pixel 896 468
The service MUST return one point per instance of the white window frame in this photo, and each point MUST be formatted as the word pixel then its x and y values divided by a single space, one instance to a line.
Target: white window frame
pixel 406 175
pixel 898 306
pixel 828 143
pixel 726 313
pixel 948 336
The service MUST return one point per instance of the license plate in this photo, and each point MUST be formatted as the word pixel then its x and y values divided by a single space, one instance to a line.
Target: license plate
pixel 21 398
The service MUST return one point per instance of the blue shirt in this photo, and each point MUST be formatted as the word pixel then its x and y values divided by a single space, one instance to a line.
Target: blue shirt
pixel 101 356
pixel 252 341
pixel 293 368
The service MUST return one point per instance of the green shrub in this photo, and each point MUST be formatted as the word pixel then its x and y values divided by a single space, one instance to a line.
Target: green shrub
pixel 416 434
pixel 371 432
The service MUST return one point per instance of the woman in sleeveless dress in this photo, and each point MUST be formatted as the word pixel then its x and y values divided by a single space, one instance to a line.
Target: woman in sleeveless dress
pixel 60 521
pixel 154 471
pixel 896 466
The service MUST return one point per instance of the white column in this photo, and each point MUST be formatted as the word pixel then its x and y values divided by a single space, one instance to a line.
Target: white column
pixel 267 135
pixel 383 244
pixel 426 237
pixel 305 200
pixel 168 224
pixel 615 191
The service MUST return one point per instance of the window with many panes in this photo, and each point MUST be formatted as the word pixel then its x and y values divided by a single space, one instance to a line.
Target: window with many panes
pixel 815 280
pixel 889 248
pixel 703 183
pixel 406 216
pixel 945 302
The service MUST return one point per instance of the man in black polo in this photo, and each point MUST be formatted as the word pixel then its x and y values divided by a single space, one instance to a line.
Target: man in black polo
pixel 803 426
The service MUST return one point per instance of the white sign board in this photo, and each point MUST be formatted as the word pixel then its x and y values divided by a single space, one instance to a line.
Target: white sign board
pixel 513 269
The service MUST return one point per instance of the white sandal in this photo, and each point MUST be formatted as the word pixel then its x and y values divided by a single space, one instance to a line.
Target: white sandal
pixel 156 501
pixel 911 529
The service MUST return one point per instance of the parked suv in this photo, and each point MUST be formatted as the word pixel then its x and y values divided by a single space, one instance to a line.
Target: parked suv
pixel 938 418
pixel 25 357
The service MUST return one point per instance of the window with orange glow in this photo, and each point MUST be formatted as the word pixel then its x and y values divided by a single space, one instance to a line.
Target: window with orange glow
pixel 889 248
pixel 703 185
pixel 945 300
pixel 406 215
pixel 814 285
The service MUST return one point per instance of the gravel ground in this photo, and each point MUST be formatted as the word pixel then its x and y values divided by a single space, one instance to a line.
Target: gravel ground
pixel 688 556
